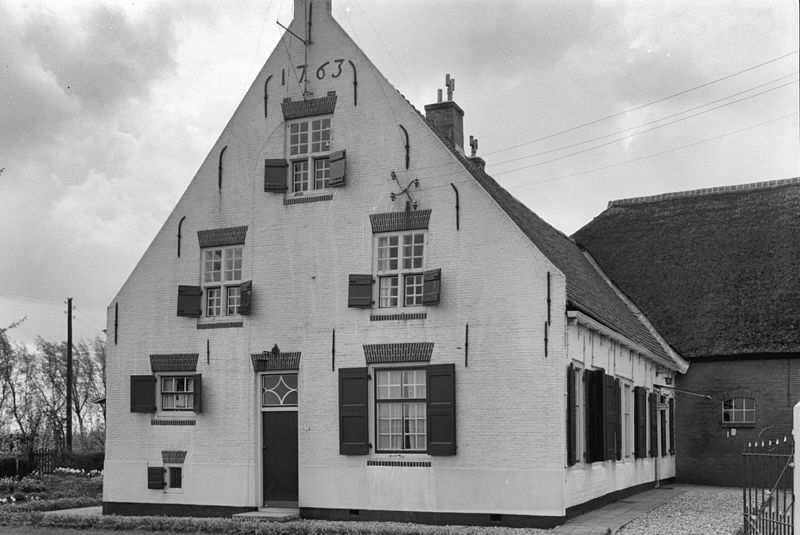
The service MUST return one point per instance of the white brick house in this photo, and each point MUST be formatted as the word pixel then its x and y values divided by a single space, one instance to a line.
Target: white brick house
pixel 346 315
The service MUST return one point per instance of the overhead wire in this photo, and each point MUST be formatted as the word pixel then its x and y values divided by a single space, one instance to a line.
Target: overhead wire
pixel 640 106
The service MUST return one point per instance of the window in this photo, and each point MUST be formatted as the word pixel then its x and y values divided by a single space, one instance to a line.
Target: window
pixel 177 393
pixel 222 277
pixel 279 390
pixel 174 477
pixel 309 152
pixel 739 411
pixel 400 275
pixel 400 410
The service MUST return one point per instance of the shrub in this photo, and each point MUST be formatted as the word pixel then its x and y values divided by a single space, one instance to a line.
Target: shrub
pixel 83 460
pixel 7 484
pixel 30 483
pixel 8 465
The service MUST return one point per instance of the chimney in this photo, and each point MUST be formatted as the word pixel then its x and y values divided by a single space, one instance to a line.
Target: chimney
pixel 447 117
pixel 476 160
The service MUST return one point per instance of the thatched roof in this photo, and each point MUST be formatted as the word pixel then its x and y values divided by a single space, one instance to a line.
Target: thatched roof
pixel 717 271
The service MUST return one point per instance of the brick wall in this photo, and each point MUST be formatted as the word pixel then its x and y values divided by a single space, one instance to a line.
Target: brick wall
pixel 707 454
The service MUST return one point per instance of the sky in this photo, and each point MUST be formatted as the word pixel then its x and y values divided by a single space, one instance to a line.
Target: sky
pixel 108 108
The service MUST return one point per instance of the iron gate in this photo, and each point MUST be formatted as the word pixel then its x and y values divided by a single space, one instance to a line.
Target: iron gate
pixel 768 490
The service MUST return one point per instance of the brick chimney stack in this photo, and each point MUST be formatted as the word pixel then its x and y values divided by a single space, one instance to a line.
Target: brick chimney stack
pixel 448 117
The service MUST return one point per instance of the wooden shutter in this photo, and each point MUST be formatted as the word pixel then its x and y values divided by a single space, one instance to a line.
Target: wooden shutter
pixel 442 409
pixel 190 301
pixel 246 297
pixel 652 416
pixel 353 413
pixel 618 405
pixel 671 426
pixel 571 415
pixel 276 175
pixel 338 162
pixel 175 477
pixel 155 477
pixel 640 421
pixel 198 393
pixel 432 283
pixel 609 417
pixel 359 293
pixel 143 393
pixel 595 393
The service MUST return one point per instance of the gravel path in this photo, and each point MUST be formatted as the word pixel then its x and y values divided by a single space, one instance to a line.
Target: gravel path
pixel 698 511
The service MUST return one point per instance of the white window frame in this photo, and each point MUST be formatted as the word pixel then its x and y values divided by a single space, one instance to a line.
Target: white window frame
pixel 188 395
pixel 739 409
pixel 404 401
pixel 221 277
pixel 400 278
pixel 309 148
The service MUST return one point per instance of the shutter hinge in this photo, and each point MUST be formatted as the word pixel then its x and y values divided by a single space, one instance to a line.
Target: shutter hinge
pixel 369 444
pixel 369 377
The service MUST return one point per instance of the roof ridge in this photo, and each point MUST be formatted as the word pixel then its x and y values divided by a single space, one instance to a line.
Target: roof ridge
pixel 706 191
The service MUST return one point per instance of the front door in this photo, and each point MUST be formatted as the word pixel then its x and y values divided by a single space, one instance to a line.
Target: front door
pixel 280 456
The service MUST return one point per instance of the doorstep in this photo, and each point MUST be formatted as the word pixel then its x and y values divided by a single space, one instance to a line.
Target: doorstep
pixel 271 514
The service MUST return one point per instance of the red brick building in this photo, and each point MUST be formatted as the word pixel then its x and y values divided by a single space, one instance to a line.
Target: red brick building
pixel 717 271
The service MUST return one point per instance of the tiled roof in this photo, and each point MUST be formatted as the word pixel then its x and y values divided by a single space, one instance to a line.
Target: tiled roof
pixel 587 291
pixel 717 271
pixel 217 237
pixel 396 221
pixel 309 107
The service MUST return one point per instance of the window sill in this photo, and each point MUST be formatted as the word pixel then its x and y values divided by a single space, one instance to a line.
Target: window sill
pixel 739 425
pixel 305 198
pixel 226 322
pixel 398 463
pixel 172 421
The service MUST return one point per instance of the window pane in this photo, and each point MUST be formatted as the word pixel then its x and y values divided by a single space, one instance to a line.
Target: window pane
pixel 298 139
pixel 389 384
pixel 279 390
pixel 412 251
pixel 233 264
pixel 212 266
pixel 390 426
pixel 300 176
pixel 234 300
pixel 213 302
pixel 413 384
pixel 322 173
pixel 413 290
pixel 321 135
pixel 414 422
pixel 387 253
pixel 387 292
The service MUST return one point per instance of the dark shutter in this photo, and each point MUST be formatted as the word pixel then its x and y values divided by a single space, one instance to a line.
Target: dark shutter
pixel 246 297
pixel 609 417
pixel 190 301
pixel 595 393
pixel 442 409
pixel 571 415
pixel 432 283
pixel 672 426
pixel 198 392
pixel 155 477
pixel 640 421
pixel 652 410
pixel 359 293
pixel 175 477
pixel 662 416
pixel 618 404
pixel 338 161
pixel 143 393
pixel 353 422
pixel 275 175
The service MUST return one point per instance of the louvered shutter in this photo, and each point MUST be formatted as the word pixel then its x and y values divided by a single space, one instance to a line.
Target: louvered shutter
pixel 432 283
pixel 246 297
pixel 596 446
pixel 143 393
pixel 609 418
pixel 571 415
pixel 652 410
pixel 442 409
pixel 640 420
pixel 353 412
pixel 672 426
pixel 198 393
pixel 338 170
pixel 190 301
pixel 359 292
pixel 276 175
pixel 155 477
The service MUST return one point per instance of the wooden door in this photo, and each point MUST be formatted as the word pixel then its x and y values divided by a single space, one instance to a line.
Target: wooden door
pixel 279 431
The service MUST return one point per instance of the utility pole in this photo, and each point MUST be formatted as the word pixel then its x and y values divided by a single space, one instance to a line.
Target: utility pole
pixel 69 374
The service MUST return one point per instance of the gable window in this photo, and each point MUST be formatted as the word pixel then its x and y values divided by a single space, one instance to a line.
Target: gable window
pixel 400 410
pixel 177 393
pixel 309 153
pixel 739 411
pixel 222 277
pixel 399 269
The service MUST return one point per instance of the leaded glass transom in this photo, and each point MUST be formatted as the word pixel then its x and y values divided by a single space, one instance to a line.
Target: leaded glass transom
pixel 279 390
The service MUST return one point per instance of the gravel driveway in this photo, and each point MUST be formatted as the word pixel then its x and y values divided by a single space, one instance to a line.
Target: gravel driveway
pixel 698 511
